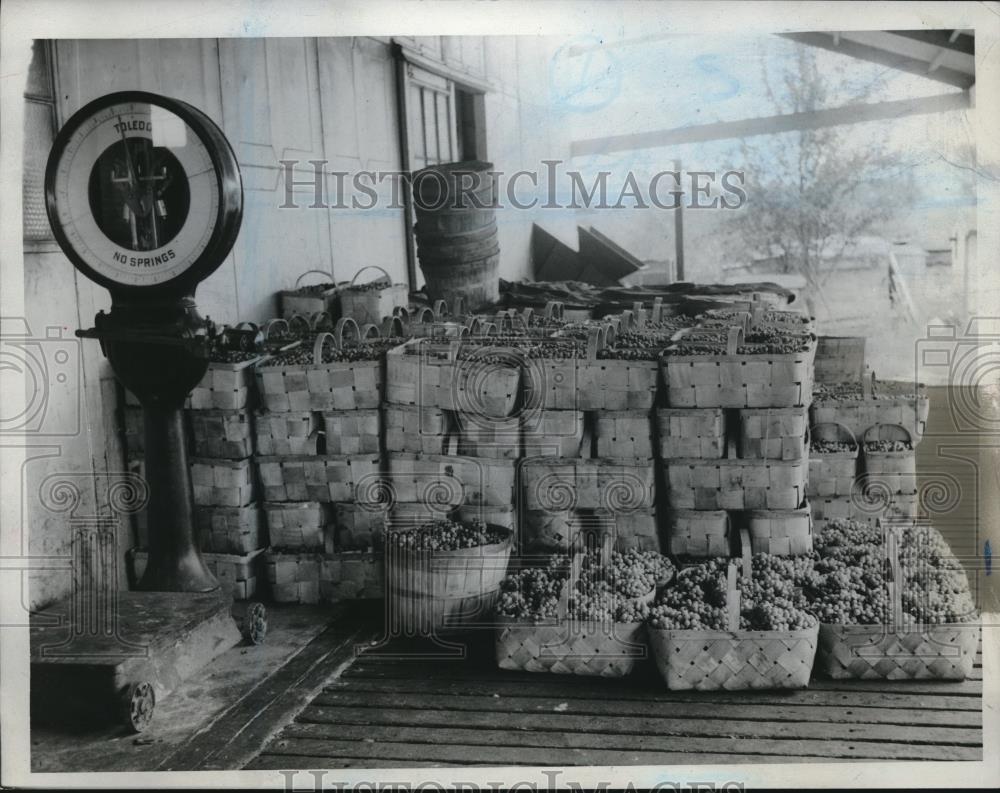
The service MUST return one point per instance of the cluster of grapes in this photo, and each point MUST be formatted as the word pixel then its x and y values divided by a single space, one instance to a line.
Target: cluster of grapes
pixel 314 289
pixel 837 392
pixel 696 348
pixel 773 342
pixel 849 584
pixel 557 350
pixel 937 587
pixel 371 286
pixel 695 600
pixel 888 446
pixel 842 537
pixel 785 318
pixel 533 593
pixel 771 598
pixel 832 447
pixel 447 535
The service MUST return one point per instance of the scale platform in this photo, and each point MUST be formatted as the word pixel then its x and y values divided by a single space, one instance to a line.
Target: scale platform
pixel 96 663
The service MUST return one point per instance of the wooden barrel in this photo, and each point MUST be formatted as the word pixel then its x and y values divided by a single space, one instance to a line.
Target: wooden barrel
pixel 457 252
pixel 477 281
pixel 434 592
pixel 449 185
pixel 432 237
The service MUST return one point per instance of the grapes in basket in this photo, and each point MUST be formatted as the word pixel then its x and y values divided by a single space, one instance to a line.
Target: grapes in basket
pixel 770 599
pixel 447 535
pixel 222 355
pixel 832 447
pixel 533 593
pixel 884 445
pixel 850 582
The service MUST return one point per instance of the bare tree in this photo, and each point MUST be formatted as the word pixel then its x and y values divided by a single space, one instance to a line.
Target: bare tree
pixel 812 192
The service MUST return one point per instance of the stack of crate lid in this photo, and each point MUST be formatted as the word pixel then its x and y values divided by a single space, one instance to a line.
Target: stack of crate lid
pixel 733 432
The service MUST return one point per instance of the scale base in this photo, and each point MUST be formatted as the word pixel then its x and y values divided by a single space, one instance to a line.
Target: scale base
pixel 83 673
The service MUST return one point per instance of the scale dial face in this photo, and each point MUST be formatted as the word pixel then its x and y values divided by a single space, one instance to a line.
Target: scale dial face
pixel 143 192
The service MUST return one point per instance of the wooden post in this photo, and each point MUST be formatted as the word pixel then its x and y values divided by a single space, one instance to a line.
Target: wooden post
pixel 679 231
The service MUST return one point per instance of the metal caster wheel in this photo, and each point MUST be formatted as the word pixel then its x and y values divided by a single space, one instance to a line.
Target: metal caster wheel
pixel 254 627
pixel 138 701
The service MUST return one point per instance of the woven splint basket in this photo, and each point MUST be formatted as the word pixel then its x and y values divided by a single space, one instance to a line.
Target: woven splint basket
pixel 773 433
pixel 591 382
pixel 457 374
pixel 731 380
pixel 691 432
pixel 832 473
pixel 735 484
pixel 734 659
pixel 897 651
pixel 892 471
pixel 571 647
pixel 338 385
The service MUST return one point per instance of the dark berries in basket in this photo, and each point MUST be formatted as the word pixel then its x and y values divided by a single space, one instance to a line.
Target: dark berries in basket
pixel 314 289
pixel 888 446
pixel 218 355
pixel 832 447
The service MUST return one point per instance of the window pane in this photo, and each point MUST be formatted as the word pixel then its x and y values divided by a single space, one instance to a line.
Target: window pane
pixel 38 134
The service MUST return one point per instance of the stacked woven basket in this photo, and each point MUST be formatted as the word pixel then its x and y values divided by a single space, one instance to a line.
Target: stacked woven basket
pixel 734 434
pixel 456 231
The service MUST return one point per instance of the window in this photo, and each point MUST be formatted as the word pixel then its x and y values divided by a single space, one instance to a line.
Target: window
pixel 470 122
pixel 39 131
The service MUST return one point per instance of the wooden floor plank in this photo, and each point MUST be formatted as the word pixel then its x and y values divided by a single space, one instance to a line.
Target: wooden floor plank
pixel 644 678
pixel 369 708
pixel 526 755
pixel 693 708
pixel 858 694
pixel 487 737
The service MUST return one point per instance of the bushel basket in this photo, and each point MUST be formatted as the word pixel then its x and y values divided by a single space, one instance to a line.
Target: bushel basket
pixel 432 592
pixel 371 302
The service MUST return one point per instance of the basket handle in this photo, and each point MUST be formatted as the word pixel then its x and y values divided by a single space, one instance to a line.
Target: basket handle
pixel 458 305
pixel 657 313
pixel 895 580
pixel 440 309
pixel 732 598
pixel 586 440
pixel 639 313
pixel 298 280
pixel 878 427
pixel 574 575
pixel 526 315
pixel 402 312
pixel 369 331
pixel 371 267
pixel 271 324
pixel 319 344
pixel 338 331
pixel 553 310
pixel 867 386
pixel 734 339
pixel 304 327
pixel 596 339
pixel 392 327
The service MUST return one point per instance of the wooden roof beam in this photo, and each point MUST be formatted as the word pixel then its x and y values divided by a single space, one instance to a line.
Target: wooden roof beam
pixel 770 125
pixel 866 52
pixel 954 40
